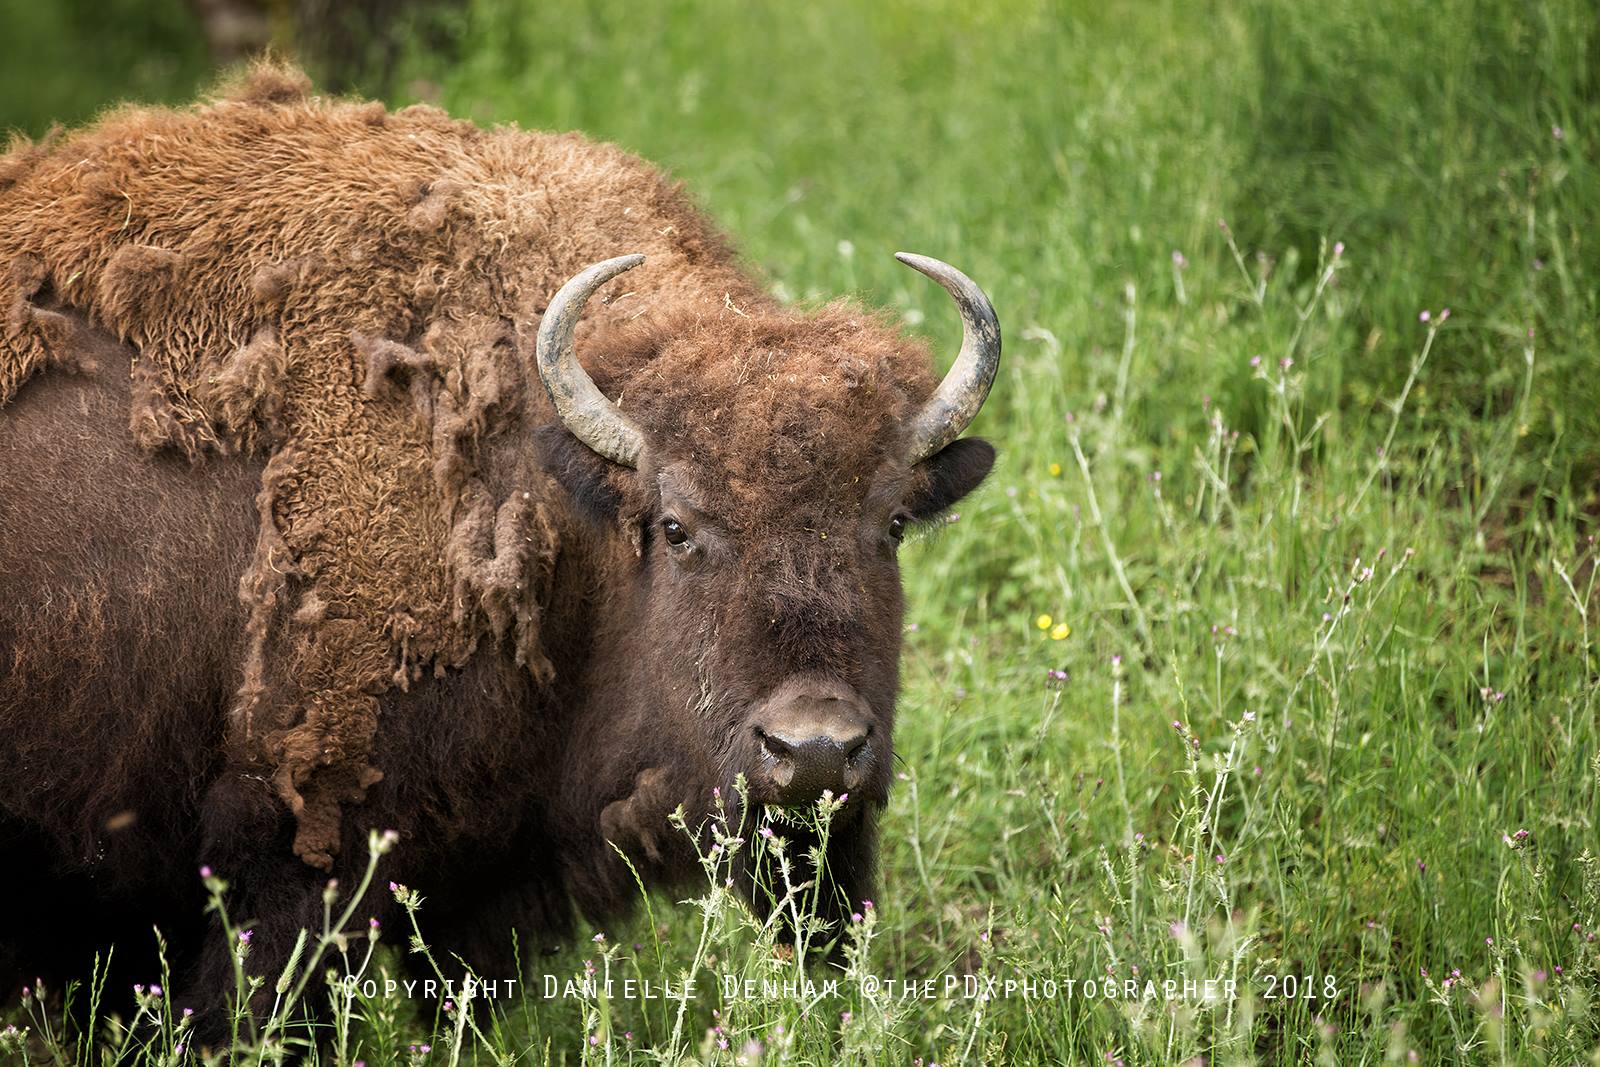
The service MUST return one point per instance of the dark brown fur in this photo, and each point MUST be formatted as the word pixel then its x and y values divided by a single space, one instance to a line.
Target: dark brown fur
pixel 292 546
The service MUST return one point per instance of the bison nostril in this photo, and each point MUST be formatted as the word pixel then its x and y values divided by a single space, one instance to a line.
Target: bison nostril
pixel 776 747
pixel 858 751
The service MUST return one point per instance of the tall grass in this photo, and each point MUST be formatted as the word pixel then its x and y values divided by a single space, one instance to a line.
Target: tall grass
pixel 1317 556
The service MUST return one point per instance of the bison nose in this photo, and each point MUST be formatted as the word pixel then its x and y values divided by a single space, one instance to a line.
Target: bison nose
pixel 812 746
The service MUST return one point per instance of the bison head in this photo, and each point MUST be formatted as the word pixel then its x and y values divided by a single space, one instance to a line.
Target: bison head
pixel 761 468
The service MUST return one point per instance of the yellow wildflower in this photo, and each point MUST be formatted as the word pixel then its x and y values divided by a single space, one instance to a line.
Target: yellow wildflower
pixel 1060 632
pixel 1043 622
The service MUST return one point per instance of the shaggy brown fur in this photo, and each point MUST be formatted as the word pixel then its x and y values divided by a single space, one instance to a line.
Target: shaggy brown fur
pixel 278 262
pixel 293 547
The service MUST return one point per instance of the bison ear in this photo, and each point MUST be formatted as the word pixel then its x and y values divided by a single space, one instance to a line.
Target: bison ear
pixel 950 474
pixel 585 475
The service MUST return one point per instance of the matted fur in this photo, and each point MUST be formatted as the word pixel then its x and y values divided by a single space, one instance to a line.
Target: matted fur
pixel 353 293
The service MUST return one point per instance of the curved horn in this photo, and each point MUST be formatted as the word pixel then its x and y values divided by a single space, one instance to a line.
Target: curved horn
pixel 955 403
pixel 579 403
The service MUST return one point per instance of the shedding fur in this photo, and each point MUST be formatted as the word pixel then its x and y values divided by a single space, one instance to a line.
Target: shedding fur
pixel 353 294
pixel 281 263
pixel 246 394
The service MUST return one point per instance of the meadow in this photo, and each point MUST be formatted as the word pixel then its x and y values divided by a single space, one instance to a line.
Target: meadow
pixel 1266 654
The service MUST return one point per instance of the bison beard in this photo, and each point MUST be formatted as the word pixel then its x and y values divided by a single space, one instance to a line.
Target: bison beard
pixel 294 545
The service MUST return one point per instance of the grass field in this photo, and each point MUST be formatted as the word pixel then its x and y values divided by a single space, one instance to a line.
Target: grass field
pixel 1299 423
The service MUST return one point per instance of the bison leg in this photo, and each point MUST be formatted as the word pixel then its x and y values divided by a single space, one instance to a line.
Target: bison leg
pixel 271 896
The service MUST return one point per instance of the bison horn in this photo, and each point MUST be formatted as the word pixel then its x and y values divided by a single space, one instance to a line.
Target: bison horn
pixel 579 403
pixel 955 403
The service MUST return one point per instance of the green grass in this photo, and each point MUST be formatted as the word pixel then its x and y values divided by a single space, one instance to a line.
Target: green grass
pixel 1360 750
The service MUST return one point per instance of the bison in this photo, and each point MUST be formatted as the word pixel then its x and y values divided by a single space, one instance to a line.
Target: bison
pixel 335 497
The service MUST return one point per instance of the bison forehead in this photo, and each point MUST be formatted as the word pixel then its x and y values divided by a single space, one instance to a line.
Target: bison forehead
pixel 782 413
pixel 809 466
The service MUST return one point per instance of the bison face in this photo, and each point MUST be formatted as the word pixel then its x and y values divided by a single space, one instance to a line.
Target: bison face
pixel 778 617
pixel 757 491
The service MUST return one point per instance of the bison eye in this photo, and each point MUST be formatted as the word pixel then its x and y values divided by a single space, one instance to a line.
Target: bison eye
pixel 675 533
pixel 897 527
